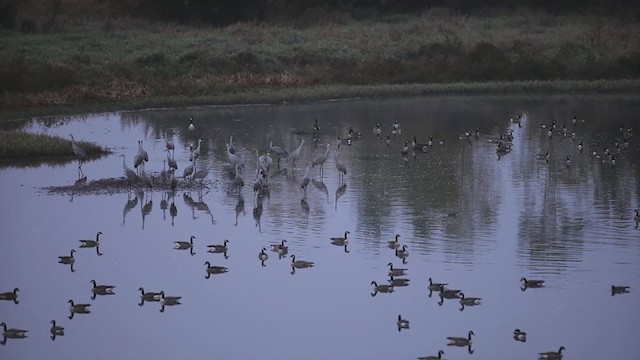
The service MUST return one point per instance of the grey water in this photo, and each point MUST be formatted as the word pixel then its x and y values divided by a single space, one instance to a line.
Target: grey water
pixel 515 216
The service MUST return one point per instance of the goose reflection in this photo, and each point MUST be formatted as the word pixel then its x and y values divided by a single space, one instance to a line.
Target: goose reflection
pixel 339 192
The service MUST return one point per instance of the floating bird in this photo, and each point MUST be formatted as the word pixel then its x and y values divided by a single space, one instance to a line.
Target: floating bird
pixel 11 296
pixel 402 253
pixel 281 245
pixel 218 248
pixel 532 283
pixel 519 335
pixel 552 354
pixel 398 282
pixel 168 300
pixel 396 127
pixel 438 357
pixel 340 240
pixel 460 341
pixel 382 288
pixel 436 286
pixel 402 323
pixel 91 243
pixel 191 126
pixel 615 289
pixel 13 333
pixel 184 245
pixel 449 293
pixel 396 271
pixel 394 244
pixel 78 308
pixel 263 256
pixel 316 126
pixel 55 330
pixel 78 152
pixel 148 296
pixel 300 264
pixel 68 260
pixel 377 130
pixel 101 289
pixel 214 269
pixel 469 301
pixel 405 150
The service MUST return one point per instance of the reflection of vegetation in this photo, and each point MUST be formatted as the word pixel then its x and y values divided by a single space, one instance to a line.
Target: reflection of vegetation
pixel 20 145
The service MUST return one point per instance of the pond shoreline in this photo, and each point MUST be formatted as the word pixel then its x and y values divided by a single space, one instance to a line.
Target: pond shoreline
pixel 324 93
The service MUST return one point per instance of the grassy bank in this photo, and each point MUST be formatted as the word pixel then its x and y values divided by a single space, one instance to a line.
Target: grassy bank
pixel 131 64
pixel 21 145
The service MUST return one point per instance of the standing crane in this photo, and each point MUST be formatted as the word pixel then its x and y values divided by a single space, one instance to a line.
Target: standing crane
pixel 188 171
pixel 80 153
pixel 321 159
pixel 295 154
pixel 342 168
pixel 305 179
pixel 131 175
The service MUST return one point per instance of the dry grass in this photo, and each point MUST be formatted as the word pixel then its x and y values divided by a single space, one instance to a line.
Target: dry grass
pixel 19 145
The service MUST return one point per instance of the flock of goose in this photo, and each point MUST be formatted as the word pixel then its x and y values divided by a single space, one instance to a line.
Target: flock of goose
pixel 265 171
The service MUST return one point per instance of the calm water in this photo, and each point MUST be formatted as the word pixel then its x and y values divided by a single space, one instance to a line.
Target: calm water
pixel 515 216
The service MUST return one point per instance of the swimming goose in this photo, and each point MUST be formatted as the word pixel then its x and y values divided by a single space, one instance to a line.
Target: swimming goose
pixel 618 289
pixel 184 245
pixel 262 256
pixel 13 332
pixel 396 271
pixel 449 293
pixel 436 286
pixel 382 288
pixel 519 335
pixel 340 240
pixel 377 130
pixel 637 217
pixel 552 354
pixel 191 126
pixel 398 282
pixel 149 296
pixel 78 308
pixel 402 323
pixel 440 352
pixel 469 301
pixel 418 146
pixel 101 289
pixel 394 244
pixel 90 243
pixel 211 269
pixel 277 247
pixel 402 253
pixel 405 150
pixel 67 259
pixel 218 248
pixel 532 283
pixel 460 341
pixel 300 264
pixel 166 300
pixel 11 295
pixel 56 330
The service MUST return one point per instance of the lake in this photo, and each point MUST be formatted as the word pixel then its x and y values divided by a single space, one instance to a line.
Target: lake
pixel 468 217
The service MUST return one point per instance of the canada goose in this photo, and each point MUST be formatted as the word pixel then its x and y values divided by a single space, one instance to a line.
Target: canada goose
pixel 300 264
pixel 11 295
pixel 382 288
pixel 184 245
pixel 101 289
pixel 402 253
pixel 218 248
pixel 262 256
pixel 191 126
pixel 13 333
pixel 166 300
pixel 340 240
pixel 394 244
pixel 460 341
pixel 402 323
pixel 449 293
pixel 552 354
pixel 440 352
pixel 396 271
pixel 418 146
pixel 276 247
pixel 56 330
pixel 148 296
pixel 398 282
pixel 405 150
pixel 469 301
pixel 78 308
pixel 214 269
pixel 436 286
pixel 67 259
pixel 618 289
pixel 637 217
pixel 532 283
pixel 519 335
pixel 90 243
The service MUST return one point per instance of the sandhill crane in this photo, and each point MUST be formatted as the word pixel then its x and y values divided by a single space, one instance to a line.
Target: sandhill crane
pixel 80 153
pixel 237 183
pixel 130 174
pixel 232 149
pixel 320 160
pixel 306 179
pixel 201 174
pixel 342 169
pixel 191 126
pixel 260 182
pixel 172 162
pixel 282 153
pixel 294 155
pixel 265 162
pixel 142 152
pixel 188 171
pixel 234 160
pixel 168 143
pixel 195 153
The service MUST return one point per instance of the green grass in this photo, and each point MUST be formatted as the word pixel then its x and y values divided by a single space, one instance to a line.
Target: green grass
pixel 130 64
pixel 21 145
